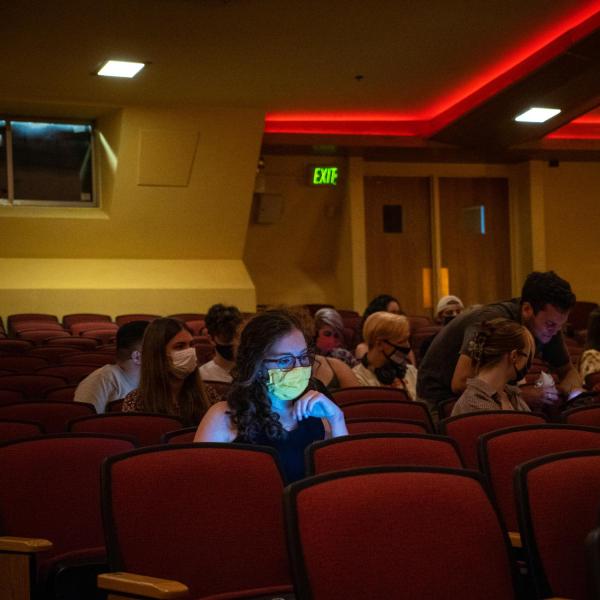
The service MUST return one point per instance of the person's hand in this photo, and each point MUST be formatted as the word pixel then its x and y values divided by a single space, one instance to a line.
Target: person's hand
pixel 549 395
pixel 536 396
pixel 315 404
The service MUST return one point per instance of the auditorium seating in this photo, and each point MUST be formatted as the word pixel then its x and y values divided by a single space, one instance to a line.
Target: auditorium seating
pixel 396 532
pixel 145 428
pixel 386 409
pixel 32 386
pixel 558 504
pixel 84 326
pixel 501 451
pixel 54 416
pixel 70 373
pixel 208 516
pixel 368 393
pixel 185 435
pixel 381 425
pixel 465 429
pixel 123 319
pixel 583 415
pixel 592 544
pixel 15 430
pixel 378 449
pixel 72 319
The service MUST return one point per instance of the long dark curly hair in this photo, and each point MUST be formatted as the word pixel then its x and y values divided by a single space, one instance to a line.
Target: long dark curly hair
pixel 249 404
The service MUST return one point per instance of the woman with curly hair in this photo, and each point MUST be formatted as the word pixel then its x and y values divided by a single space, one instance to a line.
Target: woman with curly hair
pixel 170 383
pixel 273 401
pixel 501 351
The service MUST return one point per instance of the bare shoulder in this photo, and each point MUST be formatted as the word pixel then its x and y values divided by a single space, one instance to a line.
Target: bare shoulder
pixel 216 425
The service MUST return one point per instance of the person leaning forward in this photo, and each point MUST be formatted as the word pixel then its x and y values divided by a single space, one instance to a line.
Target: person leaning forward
pixel 543 308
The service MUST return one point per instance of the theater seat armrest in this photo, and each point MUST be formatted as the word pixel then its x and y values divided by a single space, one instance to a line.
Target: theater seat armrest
pixel 141 586
pixel 24 545
pixel 515 539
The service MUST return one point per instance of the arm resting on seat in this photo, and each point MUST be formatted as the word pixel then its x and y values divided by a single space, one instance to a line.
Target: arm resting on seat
pixel 141 586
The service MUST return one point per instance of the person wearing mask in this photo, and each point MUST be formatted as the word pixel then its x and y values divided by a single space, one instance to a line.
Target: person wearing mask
pixel 222 323
pixel 112 382
pixel 273 401
pixel 447 308
pixel 170 382
pixel 381 303
pixel 386 361
pixel 501 351
pixel 329 338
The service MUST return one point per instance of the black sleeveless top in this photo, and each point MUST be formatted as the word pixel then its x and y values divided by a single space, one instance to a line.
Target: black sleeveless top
pixel 291 448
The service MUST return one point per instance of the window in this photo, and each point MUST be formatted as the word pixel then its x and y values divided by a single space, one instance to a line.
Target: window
pixel 46 163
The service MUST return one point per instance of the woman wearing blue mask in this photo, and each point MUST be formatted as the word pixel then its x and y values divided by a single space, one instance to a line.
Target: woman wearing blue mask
pixel 386 362
pixel 272 401
pixel 170 383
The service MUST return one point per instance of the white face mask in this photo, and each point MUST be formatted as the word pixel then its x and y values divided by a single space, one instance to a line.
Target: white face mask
pixel 183 362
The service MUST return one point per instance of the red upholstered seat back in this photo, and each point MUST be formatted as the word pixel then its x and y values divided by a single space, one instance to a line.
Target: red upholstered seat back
pixel 14 430
pixel 584 415
pixel 559 502
pixel 54 416
pixel 357 426
pixel 71 373
pixel 386 409
pixel 146 428
pixel 32 386
pixel 467 428
pixel 372 450
pixel 50 488
pixel 208 515
pixel 501 451
pixel 396 532
pixel 179 436
pixel 364 393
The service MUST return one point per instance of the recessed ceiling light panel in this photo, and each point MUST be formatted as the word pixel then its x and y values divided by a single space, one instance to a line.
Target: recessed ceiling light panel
pixel 537 115
pixel 120 68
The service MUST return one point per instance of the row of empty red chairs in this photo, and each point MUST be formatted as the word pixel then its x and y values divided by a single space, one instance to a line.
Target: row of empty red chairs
pixel 383 516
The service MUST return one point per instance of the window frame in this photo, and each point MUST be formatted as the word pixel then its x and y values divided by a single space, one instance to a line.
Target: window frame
pixel 11 201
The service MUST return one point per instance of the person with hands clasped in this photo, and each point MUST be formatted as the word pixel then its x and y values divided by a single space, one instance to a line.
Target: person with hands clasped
pixel 273 401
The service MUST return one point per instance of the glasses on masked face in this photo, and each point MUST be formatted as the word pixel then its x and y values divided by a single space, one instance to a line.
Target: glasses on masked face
pixel 288 361
pixel 402 349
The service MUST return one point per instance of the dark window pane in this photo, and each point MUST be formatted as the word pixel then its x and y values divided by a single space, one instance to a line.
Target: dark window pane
pixel 52 161
pixel 392 218
pixel 3 178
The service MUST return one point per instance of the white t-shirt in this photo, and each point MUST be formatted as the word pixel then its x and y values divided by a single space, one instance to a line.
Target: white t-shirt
pixel 367 377
pixel 211 371
pixel 103 385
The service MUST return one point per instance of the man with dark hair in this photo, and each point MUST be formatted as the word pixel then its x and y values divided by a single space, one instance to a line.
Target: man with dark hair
pixel 112 382
pixel 222 323
pixel 543 308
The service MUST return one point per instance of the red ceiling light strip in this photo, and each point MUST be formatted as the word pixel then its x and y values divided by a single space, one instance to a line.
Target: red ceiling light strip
pixel 523 61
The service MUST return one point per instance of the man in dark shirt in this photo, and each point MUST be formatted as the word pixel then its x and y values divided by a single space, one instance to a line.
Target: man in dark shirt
pixel 543 308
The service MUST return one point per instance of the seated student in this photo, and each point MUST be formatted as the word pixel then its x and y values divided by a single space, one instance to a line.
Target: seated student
pixel 222 323
pixel 383 302
pixel 329 339
pixel 501 351
pixel 589 362
pixel 385 363
pixel 447 308
pixel 170 382
pixel 112 382
pixel 543 308
pixel 272 401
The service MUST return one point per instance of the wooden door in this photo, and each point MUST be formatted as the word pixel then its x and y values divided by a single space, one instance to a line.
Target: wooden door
pixel 475 237
pixel 398 239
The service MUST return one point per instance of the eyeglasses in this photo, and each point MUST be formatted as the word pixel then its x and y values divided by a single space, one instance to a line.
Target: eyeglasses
pixel 402 349
pixel 288 361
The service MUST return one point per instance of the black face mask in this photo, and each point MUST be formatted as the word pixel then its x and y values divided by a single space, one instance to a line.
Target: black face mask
pixel 225 350
pixel 520 373
pixel 389 372
pixel 398 356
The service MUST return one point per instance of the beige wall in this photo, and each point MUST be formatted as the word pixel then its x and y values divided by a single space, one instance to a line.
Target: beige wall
pixel 571 198
pixel 210 154
pixel 305 256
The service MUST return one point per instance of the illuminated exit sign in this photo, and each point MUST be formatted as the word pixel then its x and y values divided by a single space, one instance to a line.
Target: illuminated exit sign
pixel 323 175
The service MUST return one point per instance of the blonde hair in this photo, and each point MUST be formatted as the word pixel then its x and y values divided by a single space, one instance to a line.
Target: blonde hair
pixel 385 325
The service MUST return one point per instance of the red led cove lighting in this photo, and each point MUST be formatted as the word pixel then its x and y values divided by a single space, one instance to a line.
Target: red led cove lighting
pixel 519 63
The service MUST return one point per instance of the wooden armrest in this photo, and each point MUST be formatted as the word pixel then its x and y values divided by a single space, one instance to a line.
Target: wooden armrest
pixel 142 585
pixel 515 539
pixel 22 544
